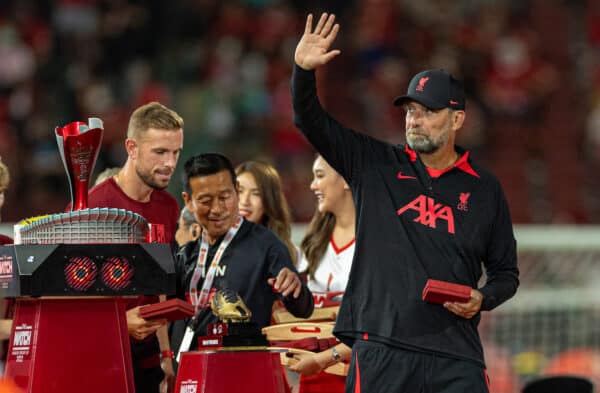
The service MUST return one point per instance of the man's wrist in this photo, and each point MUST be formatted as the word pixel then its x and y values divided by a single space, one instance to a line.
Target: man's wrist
pixel 304 70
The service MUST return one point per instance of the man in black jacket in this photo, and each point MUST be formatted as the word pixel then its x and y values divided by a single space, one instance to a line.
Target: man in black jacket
pixel 231 253
pixel 424 211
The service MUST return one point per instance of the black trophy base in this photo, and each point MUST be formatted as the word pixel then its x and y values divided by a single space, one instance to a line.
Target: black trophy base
pixel 238 341
pixel 233 334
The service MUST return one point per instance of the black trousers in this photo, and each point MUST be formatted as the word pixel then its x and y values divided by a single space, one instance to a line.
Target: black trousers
pixel 147 380
pixel 147 373
pixel 379 368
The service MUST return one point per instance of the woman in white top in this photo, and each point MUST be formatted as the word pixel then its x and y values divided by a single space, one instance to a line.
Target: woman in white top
pixel 327 248
pixel 328 245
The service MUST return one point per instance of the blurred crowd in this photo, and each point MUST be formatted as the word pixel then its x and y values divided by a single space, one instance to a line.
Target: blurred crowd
pixel 531 68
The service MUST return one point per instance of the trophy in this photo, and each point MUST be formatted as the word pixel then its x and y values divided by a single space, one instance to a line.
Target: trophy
pixel 79 145
pixel 235 328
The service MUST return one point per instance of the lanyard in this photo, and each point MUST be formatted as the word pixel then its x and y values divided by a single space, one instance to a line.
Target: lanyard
pixel 200 300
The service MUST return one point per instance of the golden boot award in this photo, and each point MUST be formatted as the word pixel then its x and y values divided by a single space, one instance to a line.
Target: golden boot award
pixel 234 328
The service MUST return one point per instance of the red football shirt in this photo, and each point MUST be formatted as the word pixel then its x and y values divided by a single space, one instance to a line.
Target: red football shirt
pixel 161 209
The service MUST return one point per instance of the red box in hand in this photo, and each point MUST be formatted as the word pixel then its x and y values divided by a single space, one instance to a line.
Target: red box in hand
pixel 171 310
pixel 437 291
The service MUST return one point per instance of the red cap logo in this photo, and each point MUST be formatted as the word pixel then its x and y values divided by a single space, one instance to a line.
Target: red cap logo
pixel 452 102
pixel 422 82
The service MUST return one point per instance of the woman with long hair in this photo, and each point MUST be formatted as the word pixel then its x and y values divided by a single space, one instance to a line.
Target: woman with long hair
pixel 261 200
pixel 328 245
pixel 328 249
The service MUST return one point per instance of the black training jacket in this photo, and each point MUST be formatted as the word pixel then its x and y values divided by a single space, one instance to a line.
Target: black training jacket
pixel 411 227
pixel 254 256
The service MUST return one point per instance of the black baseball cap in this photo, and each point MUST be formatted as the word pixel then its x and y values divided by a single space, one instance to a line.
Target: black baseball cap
pixel 435 89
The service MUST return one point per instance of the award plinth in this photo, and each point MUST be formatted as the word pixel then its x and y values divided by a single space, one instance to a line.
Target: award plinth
pixel 225 371
pixel 233 356
pixel 70 345
pixel 69 331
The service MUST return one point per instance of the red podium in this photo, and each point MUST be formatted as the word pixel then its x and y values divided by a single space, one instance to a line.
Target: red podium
pixel 70 345
pixel 227 371
pixel 69 330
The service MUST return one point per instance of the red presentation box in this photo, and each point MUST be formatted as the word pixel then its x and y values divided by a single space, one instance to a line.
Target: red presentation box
pixel 171 310
pixel 437 291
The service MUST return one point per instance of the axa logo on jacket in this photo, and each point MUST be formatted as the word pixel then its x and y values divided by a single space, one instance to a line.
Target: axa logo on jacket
pixel 429 211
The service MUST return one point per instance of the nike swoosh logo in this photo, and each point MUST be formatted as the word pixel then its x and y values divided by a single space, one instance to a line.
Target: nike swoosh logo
pixel 401 176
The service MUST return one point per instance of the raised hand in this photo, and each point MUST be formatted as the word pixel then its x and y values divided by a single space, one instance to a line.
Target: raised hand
pixel 313 49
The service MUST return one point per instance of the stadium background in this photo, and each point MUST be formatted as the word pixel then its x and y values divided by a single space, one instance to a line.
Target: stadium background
pixel 532 73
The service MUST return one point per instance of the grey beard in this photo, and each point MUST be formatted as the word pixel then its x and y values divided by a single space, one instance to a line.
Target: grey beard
pixel 423 146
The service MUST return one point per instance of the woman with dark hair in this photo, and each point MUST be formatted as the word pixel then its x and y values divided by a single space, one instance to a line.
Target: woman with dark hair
pixel 261 200
pixel 328 249
pixel 328 245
